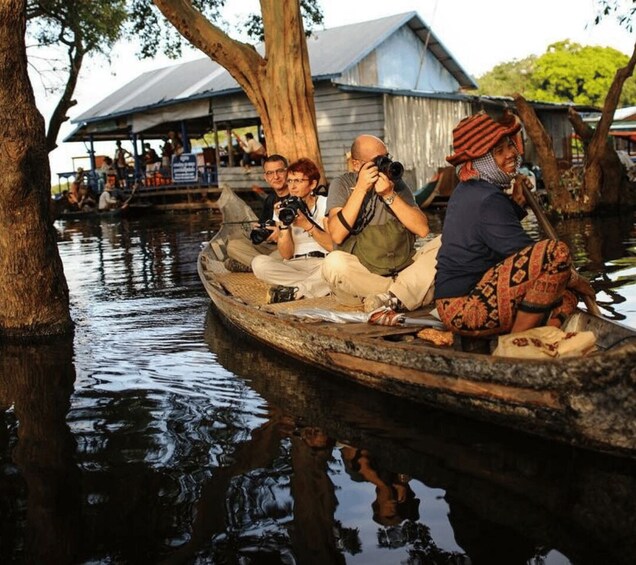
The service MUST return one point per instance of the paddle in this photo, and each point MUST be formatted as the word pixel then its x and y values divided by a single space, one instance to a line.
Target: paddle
pixel 549 230
pixel 132 193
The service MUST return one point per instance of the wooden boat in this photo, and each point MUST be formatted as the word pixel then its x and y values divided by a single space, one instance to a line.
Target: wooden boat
pixel 133 210
pixel 585 401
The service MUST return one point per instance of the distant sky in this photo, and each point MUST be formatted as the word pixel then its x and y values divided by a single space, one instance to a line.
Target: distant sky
pixel 478 33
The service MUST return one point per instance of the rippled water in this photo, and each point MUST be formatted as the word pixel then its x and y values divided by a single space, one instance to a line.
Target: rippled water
pixel 158 435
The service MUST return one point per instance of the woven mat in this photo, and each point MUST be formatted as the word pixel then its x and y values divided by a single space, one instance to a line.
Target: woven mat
pixel 253 291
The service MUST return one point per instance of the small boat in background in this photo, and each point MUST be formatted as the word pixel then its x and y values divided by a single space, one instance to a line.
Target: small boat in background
pixel 131 211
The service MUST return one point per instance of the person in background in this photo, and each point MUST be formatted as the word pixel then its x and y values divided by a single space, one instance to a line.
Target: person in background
pixel 107 168
pixel 120 162
pixel 107 199
pixel 151 160
pixel 241 251
pixel 373 221
pixel 73 196
pixel 253 150
pixel 303 240
pixel 166 153
pixel 492 278
pixel 176 142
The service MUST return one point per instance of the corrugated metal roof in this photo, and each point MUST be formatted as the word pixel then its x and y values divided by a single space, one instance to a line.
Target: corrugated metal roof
pixel 331 53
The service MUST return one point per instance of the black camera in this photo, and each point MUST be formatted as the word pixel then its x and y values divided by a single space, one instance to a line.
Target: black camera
pixel 392 169
pixel 289 209
pixel 260 233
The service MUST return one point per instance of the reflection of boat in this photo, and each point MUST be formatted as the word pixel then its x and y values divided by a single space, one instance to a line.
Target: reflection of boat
pixel 505 490
pixel 587 401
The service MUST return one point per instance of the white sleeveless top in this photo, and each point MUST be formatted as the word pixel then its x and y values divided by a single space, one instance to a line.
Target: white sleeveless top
pixel 303 242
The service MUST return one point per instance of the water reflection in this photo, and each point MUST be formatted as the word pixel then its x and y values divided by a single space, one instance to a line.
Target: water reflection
pixel 37 382
pixel 510 498
pixel 605 250
pixel 159 436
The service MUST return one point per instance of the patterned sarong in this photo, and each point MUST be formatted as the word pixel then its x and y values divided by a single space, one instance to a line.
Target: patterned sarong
pixel 532 280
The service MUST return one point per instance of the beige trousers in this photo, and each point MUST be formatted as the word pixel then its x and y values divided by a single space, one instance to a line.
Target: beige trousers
pixel 303 273
pixel 350 281
pixel 244 251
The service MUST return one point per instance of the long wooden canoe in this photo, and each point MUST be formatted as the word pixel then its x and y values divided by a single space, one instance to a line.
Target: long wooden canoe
pixel 585 401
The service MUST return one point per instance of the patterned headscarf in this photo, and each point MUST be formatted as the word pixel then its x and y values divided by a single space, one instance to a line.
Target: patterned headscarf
pixel 473 140
pixel 487 169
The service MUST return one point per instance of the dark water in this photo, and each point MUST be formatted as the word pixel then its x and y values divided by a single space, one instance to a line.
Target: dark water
pixel 158 436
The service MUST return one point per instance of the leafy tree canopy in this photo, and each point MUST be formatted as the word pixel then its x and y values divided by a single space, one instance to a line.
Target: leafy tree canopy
pixel 566 72
pixel 623 10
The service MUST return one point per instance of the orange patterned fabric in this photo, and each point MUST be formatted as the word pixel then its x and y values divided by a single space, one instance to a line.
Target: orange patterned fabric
pixel 532 280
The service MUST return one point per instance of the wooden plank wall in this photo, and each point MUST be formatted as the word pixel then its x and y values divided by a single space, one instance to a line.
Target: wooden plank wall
pixel 419 133
pixel 341 116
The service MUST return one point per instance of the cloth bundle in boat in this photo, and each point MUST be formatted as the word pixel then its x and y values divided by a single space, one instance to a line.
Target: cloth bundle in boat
pixel 545 342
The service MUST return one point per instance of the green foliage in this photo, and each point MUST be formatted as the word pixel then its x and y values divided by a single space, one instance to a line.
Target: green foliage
pixel 566 72
pixel 96 23
pixel 311 13
pixel 508 78
pixel 154 33
pixel 620 9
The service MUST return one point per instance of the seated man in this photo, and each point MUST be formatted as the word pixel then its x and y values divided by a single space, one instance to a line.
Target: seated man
pixel 303 240
pixel 373 221
pixel 492 278
pixel 107 199
pixel 253 150
pixel 242 251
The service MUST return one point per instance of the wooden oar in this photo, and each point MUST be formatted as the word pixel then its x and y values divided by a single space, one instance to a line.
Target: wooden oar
pixel 132 193
pixel 549 230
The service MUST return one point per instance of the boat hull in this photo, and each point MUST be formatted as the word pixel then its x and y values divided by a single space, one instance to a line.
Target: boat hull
pixel 588 401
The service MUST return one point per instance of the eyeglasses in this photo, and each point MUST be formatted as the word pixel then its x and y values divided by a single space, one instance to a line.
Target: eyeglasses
pixel 292 182
pixel 277 172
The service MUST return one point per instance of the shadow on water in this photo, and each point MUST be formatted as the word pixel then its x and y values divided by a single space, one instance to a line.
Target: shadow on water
pixel 158 436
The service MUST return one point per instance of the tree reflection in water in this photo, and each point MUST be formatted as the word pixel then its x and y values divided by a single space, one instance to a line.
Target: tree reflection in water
pixel 38 381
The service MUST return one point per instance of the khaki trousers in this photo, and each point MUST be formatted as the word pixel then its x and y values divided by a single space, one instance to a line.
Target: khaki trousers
pixel 351 282
pixel 244 251
pixel 303 273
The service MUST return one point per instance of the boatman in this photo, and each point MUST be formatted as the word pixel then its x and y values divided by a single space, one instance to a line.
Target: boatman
pixel 492 278
pixel 107 199
pixel 242 251
pixel 373 221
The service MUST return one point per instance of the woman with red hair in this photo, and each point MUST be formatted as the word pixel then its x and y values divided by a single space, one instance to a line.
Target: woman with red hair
pixel 303 240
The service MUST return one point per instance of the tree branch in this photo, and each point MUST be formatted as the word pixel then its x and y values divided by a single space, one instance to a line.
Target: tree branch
pixel 75 55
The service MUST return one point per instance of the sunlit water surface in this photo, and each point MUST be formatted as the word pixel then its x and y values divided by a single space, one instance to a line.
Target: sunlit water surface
pixel 157 435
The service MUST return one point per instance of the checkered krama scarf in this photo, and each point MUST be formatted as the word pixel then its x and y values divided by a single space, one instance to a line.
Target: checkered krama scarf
pixel 474 138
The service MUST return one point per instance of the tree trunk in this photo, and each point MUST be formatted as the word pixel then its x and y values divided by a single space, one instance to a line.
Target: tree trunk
pixel 279 84
pixel 615 186
pixel 602 182
pixel 34 297
pixel 560 198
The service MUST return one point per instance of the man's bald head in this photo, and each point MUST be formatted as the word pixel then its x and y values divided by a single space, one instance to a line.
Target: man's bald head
pixel 366 147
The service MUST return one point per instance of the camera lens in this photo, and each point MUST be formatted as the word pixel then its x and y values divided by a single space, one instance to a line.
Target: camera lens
pixel 287 215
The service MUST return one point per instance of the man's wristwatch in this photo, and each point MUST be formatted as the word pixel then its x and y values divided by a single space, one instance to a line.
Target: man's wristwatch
pixel 388 200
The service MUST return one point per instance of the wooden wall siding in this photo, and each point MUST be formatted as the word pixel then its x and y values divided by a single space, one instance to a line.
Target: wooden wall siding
pixel 233 107
pixel 419 132
pixel 402 62
pixel 341 116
